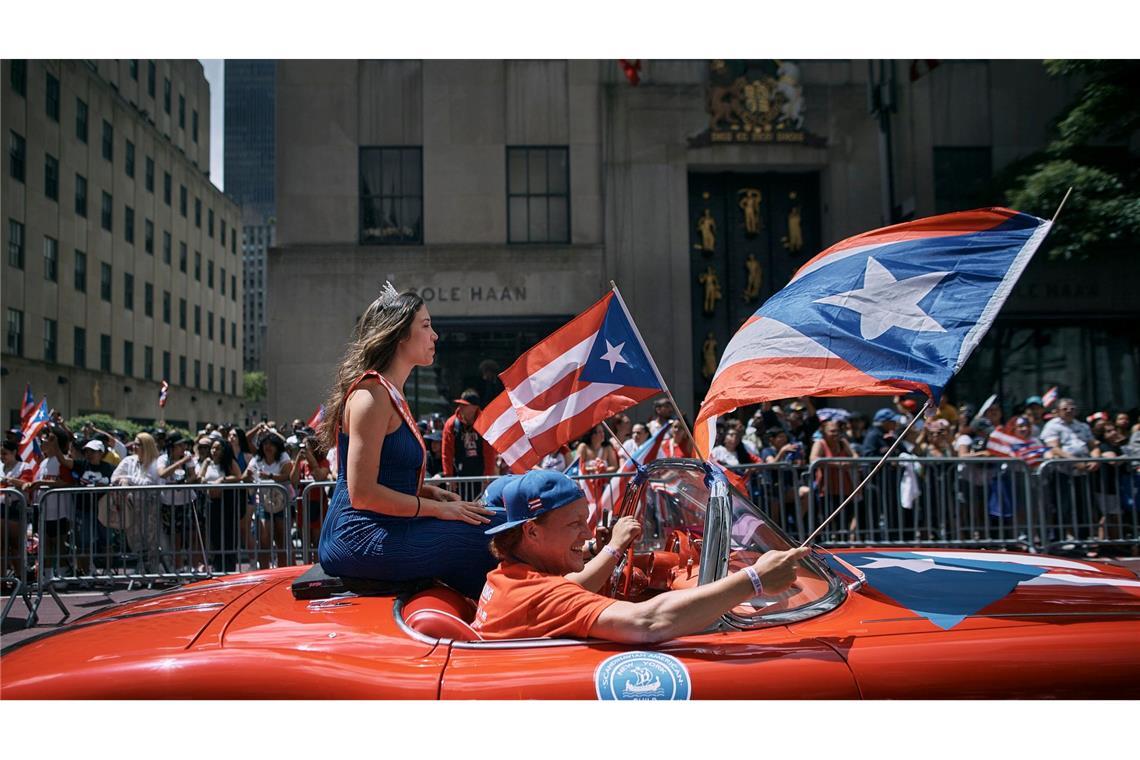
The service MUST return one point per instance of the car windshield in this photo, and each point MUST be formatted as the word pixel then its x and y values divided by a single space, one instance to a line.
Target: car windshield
pixel 672 505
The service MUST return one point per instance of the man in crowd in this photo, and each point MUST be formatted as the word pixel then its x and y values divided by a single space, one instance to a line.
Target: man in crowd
pixel 801 421
pixel 662 413
pixel 881 434
pixel 527 595
pixel 465 453
pixel 1066 435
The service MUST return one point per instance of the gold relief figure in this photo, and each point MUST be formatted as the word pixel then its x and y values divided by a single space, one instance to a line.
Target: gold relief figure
pixel 708 357
pixel 794 242
pixel 712 289
pixel 755 278
pixel 706 226
pixel 750 199
pixel 97 395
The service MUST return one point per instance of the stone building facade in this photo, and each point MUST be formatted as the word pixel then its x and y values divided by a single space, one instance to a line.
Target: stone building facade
pixel 121 264
pixel 510 193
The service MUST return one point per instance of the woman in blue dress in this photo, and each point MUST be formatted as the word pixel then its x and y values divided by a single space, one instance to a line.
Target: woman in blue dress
pixel 383 521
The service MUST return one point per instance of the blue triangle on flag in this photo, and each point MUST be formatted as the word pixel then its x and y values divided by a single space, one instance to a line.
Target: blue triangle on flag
pixel 945 591
pixel 617 356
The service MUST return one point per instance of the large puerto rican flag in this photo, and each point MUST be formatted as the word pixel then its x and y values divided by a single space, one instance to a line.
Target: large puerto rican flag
pixel 29 441
pixel 894 310
pixel 591 368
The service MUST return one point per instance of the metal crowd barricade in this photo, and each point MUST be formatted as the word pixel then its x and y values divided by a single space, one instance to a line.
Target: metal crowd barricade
pixel 777 489
pixel 1089 502
pixel 14 550
pixel 928 501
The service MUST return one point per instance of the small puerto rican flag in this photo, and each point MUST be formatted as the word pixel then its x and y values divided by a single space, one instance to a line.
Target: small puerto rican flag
pixel 535 504
pixel 162 391
pixel 1050 397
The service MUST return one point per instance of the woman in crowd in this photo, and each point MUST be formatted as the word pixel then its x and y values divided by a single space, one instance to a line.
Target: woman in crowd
pixel 834 482
pixel 383 521
pixel 176 466
pixel 596 455
pixel 312 466
pixel 141 517
pixel 53 471
pixel 266 523
pixel 15 524
pixel 225 505
pixel 732 452
pixel 242 448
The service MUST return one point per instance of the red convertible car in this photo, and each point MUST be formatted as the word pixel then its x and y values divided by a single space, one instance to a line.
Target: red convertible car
pixel 859 624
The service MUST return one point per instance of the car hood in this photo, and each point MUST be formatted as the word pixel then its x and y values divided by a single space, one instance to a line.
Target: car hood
pixel 949 587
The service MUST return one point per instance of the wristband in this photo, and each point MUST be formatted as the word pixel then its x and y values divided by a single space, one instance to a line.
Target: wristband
pixel 612 552
pixel 754 576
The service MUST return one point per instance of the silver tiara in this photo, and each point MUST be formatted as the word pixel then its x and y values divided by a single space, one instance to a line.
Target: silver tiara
pixel 388 295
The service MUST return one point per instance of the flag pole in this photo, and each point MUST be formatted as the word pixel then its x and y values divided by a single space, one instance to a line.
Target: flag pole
pixel 870 475
pixel 1058 213
pixel 660 379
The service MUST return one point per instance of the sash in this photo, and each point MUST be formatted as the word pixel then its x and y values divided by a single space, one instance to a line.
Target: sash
pixel 404 411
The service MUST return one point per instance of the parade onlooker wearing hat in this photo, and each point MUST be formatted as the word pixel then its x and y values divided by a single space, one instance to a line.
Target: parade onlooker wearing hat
pixel 465 453
pixel 528 595
pixel 881 434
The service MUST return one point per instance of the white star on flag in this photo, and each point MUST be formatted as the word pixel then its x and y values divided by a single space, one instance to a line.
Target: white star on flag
pixel 885 302
pixel 613 355
pixel 914 565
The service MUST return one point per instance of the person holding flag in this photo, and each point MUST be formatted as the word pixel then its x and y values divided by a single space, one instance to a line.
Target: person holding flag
pixel 383 521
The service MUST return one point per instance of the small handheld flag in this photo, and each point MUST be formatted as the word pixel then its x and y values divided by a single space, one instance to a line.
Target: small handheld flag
pixel 162 391
pixel 1049 397
pixel 27 406
pixel 29 446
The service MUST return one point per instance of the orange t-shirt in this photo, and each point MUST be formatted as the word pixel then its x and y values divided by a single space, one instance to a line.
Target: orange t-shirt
pixel 519 602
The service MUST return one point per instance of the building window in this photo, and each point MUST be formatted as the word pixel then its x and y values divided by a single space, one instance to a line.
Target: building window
pixel 182 370
pixel 182 258
pixel 233 338
pixel 198 266
pixel 233 287
pixel 148 363
pixel 51 329
pixel 105 353
pixel 209 325
pixel 197 320
pixel 166 306
pixel 52 101
pixel 233 241
pixel 15 244
pixel 210 376
pixel 961 176
pixel 108 141
pixel 222 379
pixel 166 246
pixel 182 313
pixel 538 195
pixel 80 348
pixel 149 174
pixel 222 279
pixel 210 222
pixel 182 200
pixel 15 343
pixel 166 95
pixel 151 75
pixel 51 176
pixel 197 373
pixel 165 365
pixel 133 68
pixel 198 213
pixel 130 167
pixel 166 185
pixel 391 195
pixel 51 259
pixel 17 154
pixel 81 195
pixel 19 77
pixel 181 111
pixel 129 224
pixel 148 236
pixel 129 358
pixel 129 291
pixel 80 271
pixel 106 220
pixel 222 236
pixel 221 329
pixel 80 120
pixel 233 381
pixel 194 126
pixel 105 281
pixel 148 299
pixel 210 275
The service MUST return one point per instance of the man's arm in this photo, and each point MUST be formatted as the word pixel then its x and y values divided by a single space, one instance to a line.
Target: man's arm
pixel 685 611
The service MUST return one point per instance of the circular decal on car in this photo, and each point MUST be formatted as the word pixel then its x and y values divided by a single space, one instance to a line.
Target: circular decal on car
pixel 642 676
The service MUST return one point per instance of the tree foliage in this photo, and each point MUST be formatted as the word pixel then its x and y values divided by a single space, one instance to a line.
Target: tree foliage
pixel 256 386
pixel 1092 153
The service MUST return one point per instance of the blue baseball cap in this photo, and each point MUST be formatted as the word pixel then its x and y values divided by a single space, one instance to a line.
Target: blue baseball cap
pixel 492 498
pixel 1034 400
pixel 884 415
pixel 533 494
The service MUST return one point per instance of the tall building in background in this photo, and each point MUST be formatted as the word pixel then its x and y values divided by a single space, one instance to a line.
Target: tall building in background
pixel 121 266
pixel 250 143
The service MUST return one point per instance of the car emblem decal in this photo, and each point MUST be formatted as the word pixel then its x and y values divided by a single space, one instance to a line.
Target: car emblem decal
pixel 642 676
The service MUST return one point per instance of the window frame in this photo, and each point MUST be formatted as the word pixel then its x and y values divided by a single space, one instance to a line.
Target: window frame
pixel 81 120
pixel 14 318
pixel 129 153
pixel 105 353
pixel 79 347
pixel 17 156
pixel 51 177
pixel 51 97
pixel 17 236
pixel 51 262
pixel 79 275
pixel 107 212
pixel 80 197
pixel 108 141
pixel 18 77
pixel 51 340
pixel 129 291
pixel 106 282
pixel 526 194
pixel 363 200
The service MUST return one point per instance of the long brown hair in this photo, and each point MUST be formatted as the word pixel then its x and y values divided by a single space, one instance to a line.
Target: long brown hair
pixel 373 346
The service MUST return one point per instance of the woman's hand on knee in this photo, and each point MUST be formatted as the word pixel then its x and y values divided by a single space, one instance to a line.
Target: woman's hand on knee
pixel 466 511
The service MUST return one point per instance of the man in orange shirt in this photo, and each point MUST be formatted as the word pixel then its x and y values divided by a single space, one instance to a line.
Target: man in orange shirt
pixel 527 595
